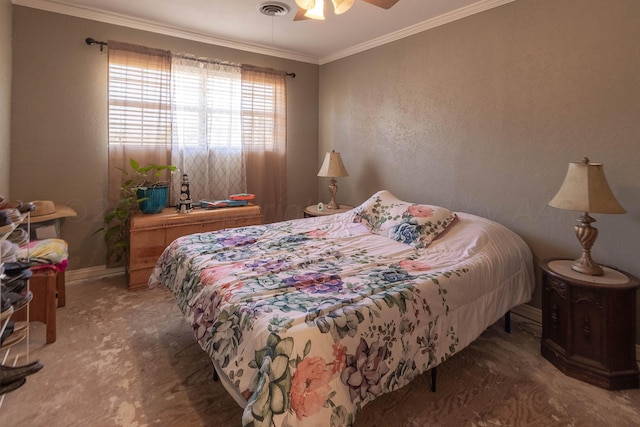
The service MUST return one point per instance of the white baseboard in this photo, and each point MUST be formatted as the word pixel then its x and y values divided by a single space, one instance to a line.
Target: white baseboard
pixel 535 315
pixel 92 273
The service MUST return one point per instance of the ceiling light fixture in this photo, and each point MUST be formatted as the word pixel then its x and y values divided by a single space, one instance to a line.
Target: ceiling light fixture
pixel 315 8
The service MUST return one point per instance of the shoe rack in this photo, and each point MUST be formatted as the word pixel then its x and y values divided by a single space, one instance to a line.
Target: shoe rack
pixel 22 334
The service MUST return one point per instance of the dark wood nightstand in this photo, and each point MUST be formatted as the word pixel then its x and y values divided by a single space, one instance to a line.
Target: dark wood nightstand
pixel 313 211
pixel 589 324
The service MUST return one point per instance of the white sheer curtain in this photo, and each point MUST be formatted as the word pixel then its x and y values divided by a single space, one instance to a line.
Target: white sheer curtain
pixel 207 127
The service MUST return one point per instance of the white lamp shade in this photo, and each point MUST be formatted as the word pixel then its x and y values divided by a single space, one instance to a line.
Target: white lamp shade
pixel 341 6
pixel 585 189
pixel 333 166
pixel 317 11
pixel 306 4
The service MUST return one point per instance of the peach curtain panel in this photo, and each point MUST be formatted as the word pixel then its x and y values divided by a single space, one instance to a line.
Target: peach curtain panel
pixel 264 138
pixel 139 110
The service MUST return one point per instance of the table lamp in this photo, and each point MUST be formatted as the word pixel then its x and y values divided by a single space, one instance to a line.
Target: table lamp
pixel 585 189
pixel 333 167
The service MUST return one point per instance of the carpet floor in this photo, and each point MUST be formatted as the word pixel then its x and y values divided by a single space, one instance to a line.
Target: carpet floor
pixel 128 359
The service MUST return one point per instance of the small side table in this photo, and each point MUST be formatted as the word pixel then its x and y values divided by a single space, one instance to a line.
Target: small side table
pixel 589 324
pixel 312 210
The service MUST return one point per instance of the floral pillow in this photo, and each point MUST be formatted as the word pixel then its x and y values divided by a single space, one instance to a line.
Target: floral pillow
pixel 410 223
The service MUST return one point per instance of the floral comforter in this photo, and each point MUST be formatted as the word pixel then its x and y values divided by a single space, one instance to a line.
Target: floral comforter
pixel 307 321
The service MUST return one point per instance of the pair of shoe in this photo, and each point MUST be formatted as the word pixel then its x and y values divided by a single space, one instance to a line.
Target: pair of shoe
pixel 17 300
pixel 8 248
pixel 13 377
pixel 13 332
pixel 14 280
pixel 21 206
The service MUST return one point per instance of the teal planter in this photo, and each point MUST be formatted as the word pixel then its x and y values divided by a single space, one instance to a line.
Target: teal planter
pixel 155 199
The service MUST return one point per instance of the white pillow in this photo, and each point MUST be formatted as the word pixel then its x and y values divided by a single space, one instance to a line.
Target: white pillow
pixel 410 223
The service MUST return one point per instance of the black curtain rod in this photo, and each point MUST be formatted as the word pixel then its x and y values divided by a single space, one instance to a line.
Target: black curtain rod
pixel 91 41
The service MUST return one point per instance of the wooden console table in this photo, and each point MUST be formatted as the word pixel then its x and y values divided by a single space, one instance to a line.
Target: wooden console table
pixel 150 234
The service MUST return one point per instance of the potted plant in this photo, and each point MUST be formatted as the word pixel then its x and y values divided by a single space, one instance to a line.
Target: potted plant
pixel 143 190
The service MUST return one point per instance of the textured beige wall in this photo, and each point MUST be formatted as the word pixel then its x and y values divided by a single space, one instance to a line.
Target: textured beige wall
pixel 5 95
pixel 59 123
pixel 483 115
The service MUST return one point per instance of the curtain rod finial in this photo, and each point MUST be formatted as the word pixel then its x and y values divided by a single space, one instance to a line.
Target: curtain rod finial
pixel 91 41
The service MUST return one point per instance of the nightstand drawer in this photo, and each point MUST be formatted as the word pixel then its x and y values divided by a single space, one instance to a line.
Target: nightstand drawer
pixel 588 325
pixel 556 314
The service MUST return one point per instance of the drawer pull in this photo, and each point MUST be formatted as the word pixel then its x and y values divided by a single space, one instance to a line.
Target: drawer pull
pixel 555 319
pixel 586 328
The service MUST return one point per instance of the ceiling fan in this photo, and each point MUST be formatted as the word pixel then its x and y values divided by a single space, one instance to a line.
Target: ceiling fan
pixel 314 9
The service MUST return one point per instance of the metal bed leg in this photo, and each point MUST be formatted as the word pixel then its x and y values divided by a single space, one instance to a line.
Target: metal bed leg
pixel 434 373
pixel 215 375
pixel 507 322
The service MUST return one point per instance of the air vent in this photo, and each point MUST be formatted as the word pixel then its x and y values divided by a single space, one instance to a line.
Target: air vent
pixel 273 8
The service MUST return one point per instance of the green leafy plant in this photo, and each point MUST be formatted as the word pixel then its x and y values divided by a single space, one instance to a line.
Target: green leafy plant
pixel 117 220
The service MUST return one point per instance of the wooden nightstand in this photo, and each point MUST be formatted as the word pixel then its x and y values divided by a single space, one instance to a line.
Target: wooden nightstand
pixel 312 210
pixel 589 324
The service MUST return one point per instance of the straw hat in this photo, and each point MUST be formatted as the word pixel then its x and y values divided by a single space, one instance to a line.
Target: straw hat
pixel 47 210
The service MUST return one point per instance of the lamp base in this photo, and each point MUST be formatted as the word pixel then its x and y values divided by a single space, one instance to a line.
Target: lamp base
pixel 587 235
pixel 587 266
pixel 333 189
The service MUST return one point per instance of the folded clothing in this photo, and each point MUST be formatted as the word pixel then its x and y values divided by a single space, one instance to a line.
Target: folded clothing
pixel 48 252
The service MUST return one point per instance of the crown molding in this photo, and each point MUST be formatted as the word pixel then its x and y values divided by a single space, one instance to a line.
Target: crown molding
pixel 446 18
pixel 154 27
pixel 140 24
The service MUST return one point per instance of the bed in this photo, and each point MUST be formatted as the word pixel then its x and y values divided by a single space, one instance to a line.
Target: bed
pixel 307 321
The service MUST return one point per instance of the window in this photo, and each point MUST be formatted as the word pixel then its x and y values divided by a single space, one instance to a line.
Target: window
pixel 222 124
pixel 258 116
pixel 139 105
pixel 207 105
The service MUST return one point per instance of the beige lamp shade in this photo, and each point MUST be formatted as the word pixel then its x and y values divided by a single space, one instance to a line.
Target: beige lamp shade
pixel 585 189
pixel 333 166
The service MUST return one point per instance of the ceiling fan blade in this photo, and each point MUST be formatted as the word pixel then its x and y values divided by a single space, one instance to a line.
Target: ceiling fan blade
pixel 385 4
pixel 300 15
